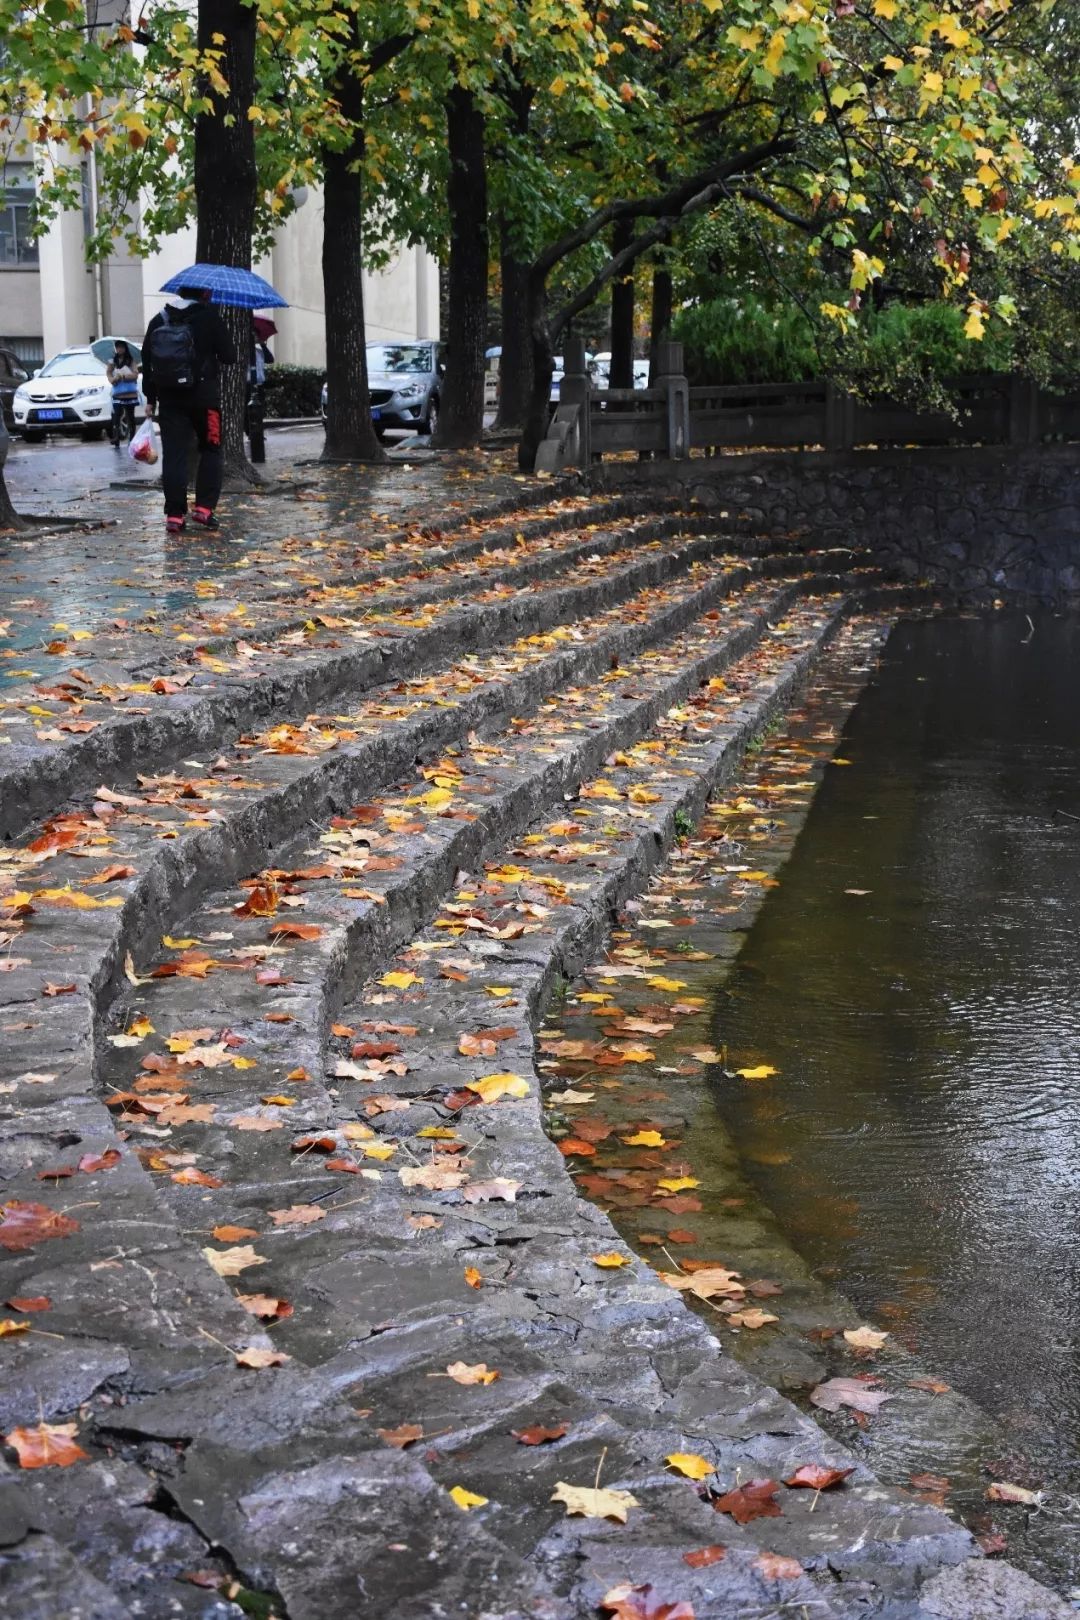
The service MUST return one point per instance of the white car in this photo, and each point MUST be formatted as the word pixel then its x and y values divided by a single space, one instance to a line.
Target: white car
pixel 69 395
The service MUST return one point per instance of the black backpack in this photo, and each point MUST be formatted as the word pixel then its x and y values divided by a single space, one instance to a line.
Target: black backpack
pixel 172 351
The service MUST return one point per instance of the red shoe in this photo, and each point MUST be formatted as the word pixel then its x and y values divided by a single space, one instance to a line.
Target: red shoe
pixel 204 517
pixel 175 525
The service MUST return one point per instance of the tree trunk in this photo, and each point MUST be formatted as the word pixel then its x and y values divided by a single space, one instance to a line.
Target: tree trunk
pixel 9 518
pixel 543 367
pixel 226 182
pixel 660 319
pixel 516 361
pixel 461 420
pixel 621 374
pixel 350 434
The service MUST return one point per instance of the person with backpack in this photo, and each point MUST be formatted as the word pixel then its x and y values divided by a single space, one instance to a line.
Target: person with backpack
pixel 183 352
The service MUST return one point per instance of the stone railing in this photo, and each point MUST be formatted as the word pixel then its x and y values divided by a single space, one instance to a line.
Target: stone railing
pixel 669 419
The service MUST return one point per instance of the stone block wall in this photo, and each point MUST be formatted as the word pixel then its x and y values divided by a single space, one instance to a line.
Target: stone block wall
pixel 975 522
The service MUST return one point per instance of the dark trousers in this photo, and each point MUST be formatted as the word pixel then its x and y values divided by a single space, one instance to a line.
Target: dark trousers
pixel 178 419
pixel 123 408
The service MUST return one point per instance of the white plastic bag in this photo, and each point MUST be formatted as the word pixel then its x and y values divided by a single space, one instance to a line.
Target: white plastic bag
pixel 142 447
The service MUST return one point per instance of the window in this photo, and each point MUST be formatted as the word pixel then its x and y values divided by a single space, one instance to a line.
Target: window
pixel 17 246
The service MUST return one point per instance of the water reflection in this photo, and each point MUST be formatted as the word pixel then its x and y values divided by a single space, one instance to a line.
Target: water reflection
pixel 921 1143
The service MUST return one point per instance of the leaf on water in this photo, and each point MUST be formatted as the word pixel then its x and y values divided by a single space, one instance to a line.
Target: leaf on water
pixel 753 1318
pixel 931 1482
pixel 537 1435
pixel 591 1503
pixel 856 1393
pixel 762 1072
pixel 676 1184
pixel 645 1139
pixel 865 1338
pixel 711 1282
pixel 754 1500
pixel 23 1224
pixel 48 1445
pixel 571 1145
pixel 230 1262
pixel 816 1477
pixel 569 1098
pixel 932 1386
pixel 462 1373
pixel 467 1500
pixel 690 1465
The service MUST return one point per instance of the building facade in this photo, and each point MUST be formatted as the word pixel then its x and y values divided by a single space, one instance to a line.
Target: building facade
pixel 50 298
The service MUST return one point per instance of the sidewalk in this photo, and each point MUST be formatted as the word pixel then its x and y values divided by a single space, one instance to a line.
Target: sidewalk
pixel 56 582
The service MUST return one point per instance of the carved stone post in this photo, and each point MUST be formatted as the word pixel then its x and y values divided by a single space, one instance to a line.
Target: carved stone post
pixel 671 378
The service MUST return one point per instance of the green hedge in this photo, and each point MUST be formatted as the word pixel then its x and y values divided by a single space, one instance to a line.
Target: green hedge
pixel 737 340
pixel 293 390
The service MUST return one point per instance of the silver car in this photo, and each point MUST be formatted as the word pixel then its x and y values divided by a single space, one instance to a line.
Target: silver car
pixel 405 380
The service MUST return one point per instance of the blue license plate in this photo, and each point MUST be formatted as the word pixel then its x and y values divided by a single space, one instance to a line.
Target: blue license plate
pixel 50 416
pixel 375 414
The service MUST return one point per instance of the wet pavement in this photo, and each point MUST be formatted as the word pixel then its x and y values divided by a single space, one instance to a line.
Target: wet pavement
pixel 112 560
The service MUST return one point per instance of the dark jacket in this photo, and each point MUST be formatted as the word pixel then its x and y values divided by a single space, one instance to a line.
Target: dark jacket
pixel 213 349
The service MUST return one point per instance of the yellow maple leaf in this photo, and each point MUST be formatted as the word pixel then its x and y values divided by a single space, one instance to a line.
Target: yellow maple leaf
pixel 689 1464
pixel 399 981
pixel 467 1500
pixel 591 1503
pixel 494 1086
pixel 611 1260
pixel 645 1139
pixel 658 983
pixel 762 1072
pixel 676 1184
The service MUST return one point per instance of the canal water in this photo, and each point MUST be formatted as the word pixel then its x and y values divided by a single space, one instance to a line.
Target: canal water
pixel 915 981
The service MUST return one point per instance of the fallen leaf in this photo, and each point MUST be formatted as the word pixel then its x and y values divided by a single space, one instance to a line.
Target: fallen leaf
pixel 571 1145
pixel 474 1278
pixel 754 1500
pixel 1002 1491
pixel 230 1262
pixel 24 1224
pixel 816 1477
pixel 29 1302
pixel 494 1086
pixel 295 930
pixel 486 1192
pixel 297 1215
pixel 404 1435
pixel 645 1139
pixel 774 1566
pixel 49 1445
pixel 932 1386
pixel 708 1283
pixel 611 1260
pixel 762 1072
pixel 261 1358
pixel 400 981
pixel 853 1392
pixel 676 1184
pixel 689 1464
pixel 537 1435
pixel 865 1338
pixel 570 1097
pixel 190 1177
pixel 704 1556
pixel 265 1306
pixel 931 1482
pixel 753 1318
pixel 626 1602
pixel 234 1234
pixel 466 1500
pixel 9 1326
pixel 462 1373
pixel 591 1503
pixel 432 1176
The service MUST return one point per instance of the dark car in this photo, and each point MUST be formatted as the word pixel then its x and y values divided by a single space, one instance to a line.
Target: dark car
pixel 12 373
pixel 405 380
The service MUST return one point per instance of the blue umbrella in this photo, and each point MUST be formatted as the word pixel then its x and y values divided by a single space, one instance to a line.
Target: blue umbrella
pixel 241 289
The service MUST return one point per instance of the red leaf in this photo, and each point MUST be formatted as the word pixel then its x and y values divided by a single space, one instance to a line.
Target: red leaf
pixel 705 1556
pixel 813 1477
pixel 537 1435
pixel 26 1302
pixel 295 930
pixel 626 1602
pixel 754 1500
pixel 49 1445
pixel 25 1224
pixel 571 1145
pixel 774 1566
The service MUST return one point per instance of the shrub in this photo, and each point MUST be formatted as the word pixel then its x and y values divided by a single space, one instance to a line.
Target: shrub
pixel 894 350
pixel 293 390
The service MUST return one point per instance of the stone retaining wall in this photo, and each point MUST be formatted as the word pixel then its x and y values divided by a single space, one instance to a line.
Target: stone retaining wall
pixel 974 522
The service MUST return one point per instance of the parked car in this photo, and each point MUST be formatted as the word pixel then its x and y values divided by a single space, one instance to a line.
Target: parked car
pixel 71 394
pixel 11 375
pixel 600 371
pixel 404 380
pixel 557 376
